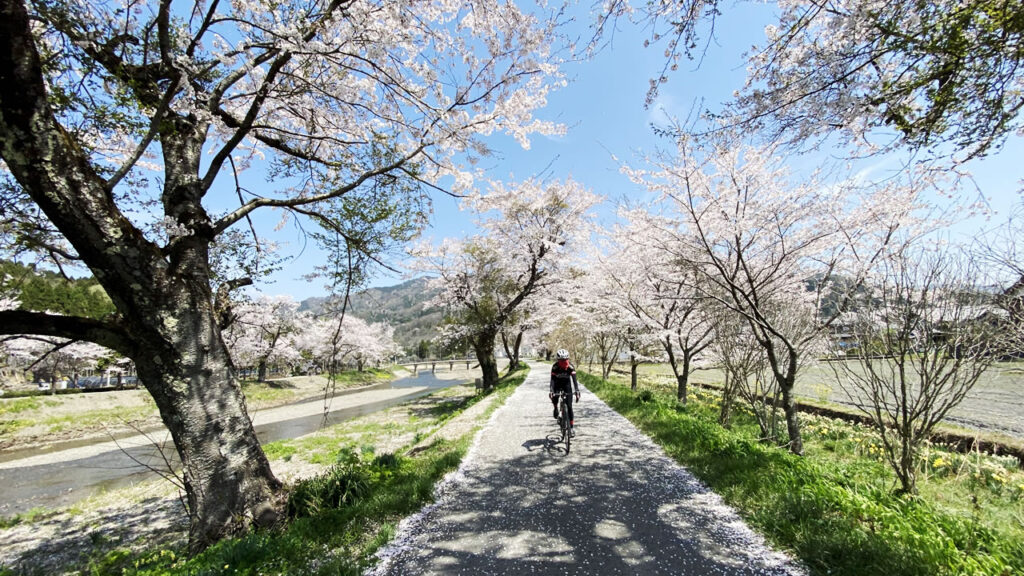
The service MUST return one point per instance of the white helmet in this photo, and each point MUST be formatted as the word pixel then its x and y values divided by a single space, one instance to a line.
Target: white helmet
pixel 562 354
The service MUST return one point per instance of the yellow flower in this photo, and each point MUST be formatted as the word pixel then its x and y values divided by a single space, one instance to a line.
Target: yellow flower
pixel 939 462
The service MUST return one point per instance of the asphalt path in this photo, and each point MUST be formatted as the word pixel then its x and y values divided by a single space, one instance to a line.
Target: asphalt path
pixel 615 504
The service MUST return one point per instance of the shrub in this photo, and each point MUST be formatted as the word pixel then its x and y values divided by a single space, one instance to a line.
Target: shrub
pixel 340 485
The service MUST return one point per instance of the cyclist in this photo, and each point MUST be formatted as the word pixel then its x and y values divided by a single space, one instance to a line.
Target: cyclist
pixel 563 379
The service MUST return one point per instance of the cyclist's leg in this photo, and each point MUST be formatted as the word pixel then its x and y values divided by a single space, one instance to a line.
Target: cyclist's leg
pixel 568 404
pixel 559 389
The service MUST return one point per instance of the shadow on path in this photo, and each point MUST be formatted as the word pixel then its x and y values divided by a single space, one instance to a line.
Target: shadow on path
pixel 614 505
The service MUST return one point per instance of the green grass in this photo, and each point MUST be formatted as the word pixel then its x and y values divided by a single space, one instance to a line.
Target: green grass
pixel 835 508
pixel 278 392
pixel 264 393
pixel 10 407
pixel 33 515
pixel 350 378
pixel 12 426
pixel 332 536
pixel 99 418
pixel 338 519
pixel 36 393
pixel 16 405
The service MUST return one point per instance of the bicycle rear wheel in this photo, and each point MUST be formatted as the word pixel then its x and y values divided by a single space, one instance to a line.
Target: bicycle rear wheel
pixel 566 430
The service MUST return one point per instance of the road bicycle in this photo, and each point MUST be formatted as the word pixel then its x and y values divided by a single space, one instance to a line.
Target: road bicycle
pixel 563 419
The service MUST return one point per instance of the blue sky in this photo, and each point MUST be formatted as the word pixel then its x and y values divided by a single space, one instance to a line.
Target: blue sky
pixel 603 110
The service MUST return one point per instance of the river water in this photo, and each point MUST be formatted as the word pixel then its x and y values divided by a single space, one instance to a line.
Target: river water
pixel 72 471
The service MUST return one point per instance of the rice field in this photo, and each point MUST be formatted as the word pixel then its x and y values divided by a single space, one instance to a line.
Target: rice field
pixel 995 404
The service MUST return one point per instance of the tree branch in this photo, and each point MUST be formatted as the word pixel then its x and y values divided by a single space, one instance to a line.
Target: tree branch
pixel 112 336
pixel 228 220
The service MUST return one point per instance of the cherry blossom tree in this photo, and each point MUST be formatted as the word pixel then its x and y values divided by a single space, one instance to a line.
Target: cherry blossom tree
pixel 937 76
pixel 559 322
pixel 660 294
pixel 317 340
pixel 135 126
pixel 362 342
pixel 260 333
pixel 768 248
pixel 54 359
pixel 941 72
pixel 485 279
pixel 925 334
pixel 581 318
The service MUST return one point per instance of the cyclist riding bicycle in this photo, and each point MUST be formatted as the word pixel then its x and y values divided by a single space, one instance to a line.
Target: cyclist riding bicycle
pixel 563 379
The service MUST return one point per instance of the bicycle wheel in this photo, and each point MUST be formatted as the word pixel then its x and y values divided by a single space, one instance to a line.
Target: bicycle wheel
pixel 566 430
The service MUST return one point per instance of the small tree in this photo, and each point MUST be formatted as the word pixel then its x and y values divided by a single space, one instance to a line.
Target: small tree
pixel 486 279
pixel 747 374
pixel 754 239
pixel 1002 248
pixel 423 349
pixel 921 346
pixel 659 293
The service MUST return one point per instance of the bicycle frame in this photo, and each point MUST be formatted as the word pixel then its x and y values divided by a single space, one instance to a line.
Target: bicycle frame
pixel 563 419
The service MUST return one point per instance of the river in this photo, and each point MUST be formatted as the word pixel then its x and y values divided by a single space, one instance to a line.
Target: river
pixel 72 471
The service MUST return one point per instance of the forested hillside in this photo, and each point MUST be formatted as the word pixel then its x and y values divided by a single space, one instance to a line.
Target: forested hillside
pixel 403 306
pixel 48 291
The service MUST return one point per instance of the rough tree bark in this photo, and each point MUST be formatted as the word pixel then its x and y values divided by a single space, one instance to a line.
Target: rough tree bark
pixel 166 322
pixel 785 375
pixel 483 346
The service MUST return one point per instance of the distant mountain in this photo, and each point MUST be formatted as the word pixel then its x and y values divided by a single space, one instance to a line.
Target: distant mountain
pixel 403 306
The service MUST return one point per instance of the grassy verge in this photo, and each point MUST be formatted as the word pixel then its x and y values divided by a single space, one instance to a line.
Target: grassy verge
pixel 835 508
pixel 53 418
pixel 817 390
pixel 100 419
pixel 336 520
pixel 276 392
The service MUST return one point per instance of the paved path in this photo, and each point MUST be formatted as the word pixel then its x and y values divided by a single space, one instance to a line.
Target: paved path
pixel 614 505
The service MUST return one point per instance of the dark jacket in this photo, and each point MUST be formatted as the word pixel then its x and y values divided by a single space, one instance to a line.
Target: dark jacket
pixel 562 376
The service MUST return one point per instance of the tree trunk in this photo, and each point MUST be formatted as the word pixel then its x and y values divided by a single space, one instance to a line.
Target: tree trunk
pixel 228 480
pixel 784 371
pixel 607 358
pixel 680 383
pixel 512 352
pixel 683 379
pixel 483 345
pixel 516 347
pixel 725 411
pixel 796 443
pixel 632 373
pixel 166 322
pixel 908 478
pixel 261 370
